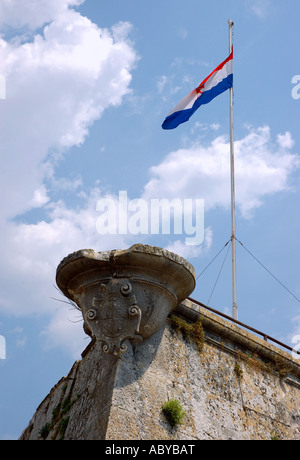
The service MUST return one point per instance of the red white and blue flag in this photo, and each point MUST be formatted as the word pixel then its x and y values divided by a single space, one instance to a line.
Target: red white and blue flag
pixel 216 83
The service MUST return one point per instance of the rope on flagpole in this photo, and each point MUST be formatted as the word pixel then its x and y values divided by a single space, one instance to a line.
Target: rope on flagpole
pixel 220 271
pixel 213 259
pixel 270 273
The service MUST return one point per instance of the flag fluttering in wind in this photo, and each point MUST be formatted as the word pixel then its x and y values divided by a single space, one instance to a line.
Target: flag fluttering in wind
pixel 216 83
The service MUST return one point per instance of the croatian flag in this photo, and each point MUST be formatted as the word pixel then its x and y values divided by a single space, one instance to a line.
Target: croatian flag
pixel 216 83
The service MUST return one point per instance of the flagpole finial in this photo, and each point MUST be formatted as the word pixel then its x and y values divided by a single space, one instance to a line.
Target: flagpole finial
pixel 230 22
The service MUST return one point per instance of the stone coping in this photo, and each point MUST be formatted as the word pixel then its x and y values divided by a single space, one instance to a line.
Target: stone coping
pixel 106 256
pixel 139 257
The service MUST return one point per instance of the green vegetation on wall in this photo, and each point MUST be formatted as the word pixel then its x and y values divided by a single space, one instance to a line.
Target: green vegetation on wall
pixel 173 412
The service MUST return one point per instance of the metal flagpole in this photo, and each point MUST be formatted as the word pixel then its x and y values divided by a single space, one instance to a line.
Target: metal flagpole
pixel 234 300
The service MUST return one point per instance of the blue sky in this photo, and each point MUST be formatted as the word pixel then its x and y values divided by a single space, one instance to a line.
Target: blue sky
pixel 88 85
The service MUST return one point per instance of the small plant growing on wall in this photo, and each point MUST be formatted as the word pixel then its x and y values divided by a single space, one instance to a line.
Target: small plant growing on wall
pixel 173 412
pixel 190 331
pixel 238 370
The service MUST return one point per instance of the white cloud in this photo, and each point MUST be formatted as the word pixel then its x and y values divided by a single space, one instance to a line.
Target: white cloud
pixel 31 13
pixel 260 7
pixel 58 84
pixel 296 321
pixel 183 33
pixel 65 331
pixel 161 83
pixel 32 252
pixel 40 197
pixel 285 140
pixel 261 169
pixel 191 251
pixel 204 127
pixel 31 255
pixel 294 338
pixel 66 184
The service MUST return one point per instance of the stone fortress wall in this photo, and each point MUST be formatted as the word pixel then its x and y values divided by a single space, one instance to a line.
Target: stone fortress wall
pixel 230 383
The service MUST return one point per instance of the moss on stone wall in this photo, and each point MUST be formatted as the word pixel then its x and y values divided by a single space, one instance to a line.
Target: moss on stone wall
pixel 190 331
pixel 60 419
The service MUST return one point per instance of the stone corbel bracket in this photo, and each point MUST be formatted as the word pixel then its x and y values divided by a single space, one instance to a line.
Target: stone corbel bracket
pixel 125 294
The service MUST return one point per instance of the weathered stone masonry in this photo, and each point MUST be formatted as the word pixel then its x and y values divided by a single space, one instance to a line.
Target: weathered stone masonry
pixel 231 383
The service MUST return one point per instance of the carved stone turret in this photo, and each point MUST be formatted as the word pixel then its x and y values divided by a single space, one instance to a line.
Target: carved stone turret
pixel 125 294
